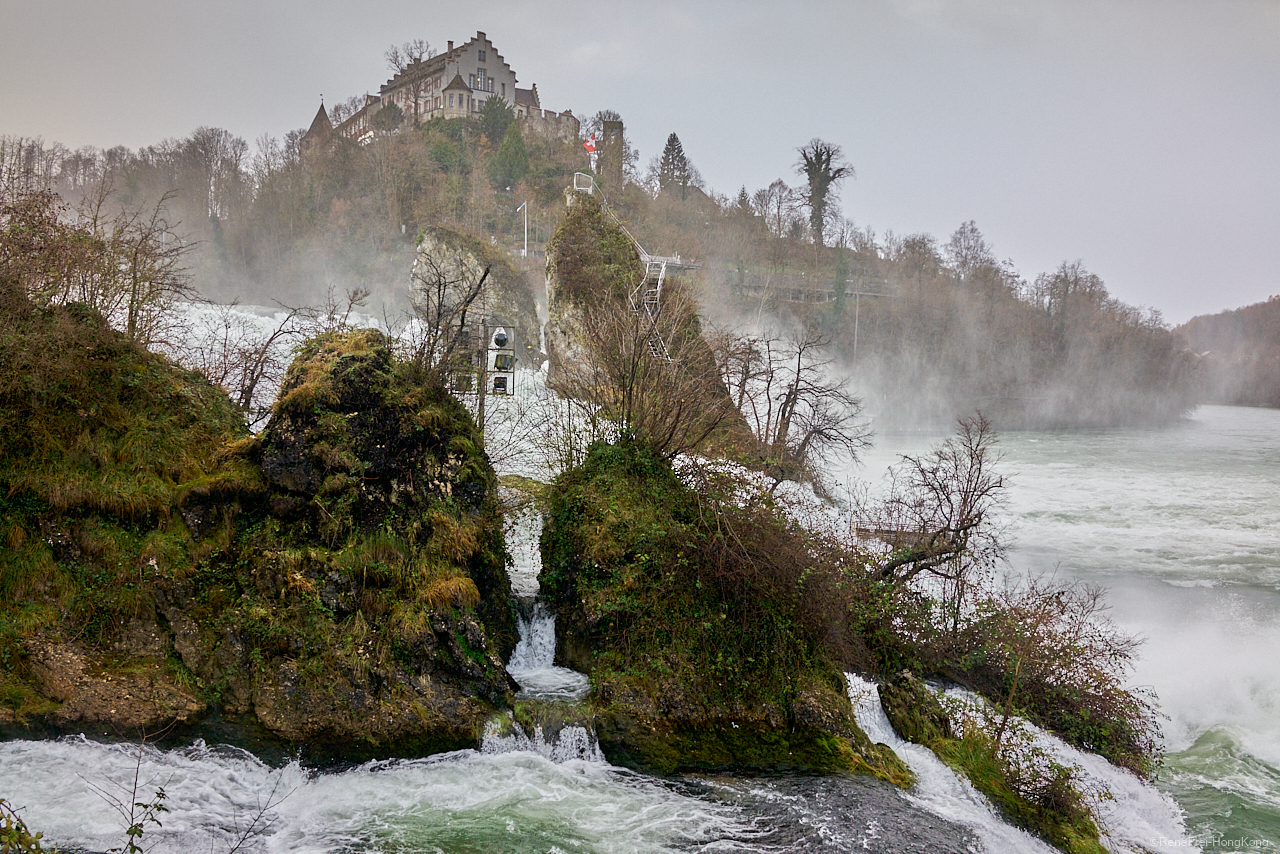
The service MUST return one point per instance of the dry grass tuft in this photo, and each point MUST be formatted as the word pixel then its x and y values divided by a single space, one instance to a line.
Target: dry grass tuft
pixel 458 592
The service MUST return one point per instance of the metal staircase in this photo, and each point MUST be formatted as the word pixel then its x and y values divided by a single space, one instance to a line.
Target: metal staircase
pixel 646 302
pixel 646 299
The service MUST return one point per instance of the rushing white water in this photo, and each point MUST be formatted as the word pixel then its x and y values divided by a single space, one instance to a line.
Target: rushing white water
pixel 571 743
pixel 1133 816
pixel 1182 525
pixel 938 789
pixel 521 531
pixel 532 662
pixel 458 803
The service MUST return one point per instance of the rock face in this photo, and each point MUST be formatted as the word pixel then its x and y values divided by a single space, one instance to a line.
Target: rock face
pixel 590 261
pixel 447 261
pixel 140 699
pixel 338 580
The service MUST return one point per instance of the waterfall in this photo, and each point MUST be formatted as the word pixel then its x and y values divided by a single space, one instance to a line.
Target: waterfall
pixel 570 743
pixel 532 661
pixel 1133 817
pixel 938 789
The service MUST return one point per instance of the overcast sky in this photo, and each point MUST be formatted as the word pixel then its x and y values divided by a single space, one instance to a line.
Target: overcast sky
pixel 1141 136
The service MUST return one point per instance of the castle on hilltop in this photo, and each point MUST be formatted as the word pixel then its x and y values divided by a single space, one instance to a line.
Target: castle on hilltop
pixel 453 84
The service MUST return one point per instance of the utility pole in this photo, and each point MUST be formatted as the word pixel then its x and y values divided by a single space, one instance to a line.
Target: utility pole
pixel 525 207
pixel 856 306
pixel 482 375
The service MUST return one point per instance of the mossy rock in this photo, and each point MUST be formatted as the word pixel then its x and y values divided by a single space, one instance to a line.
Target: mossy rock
pixel 339 579
pixel 643 728
pixel 688 674
pixel 1068 826
pixel 914 710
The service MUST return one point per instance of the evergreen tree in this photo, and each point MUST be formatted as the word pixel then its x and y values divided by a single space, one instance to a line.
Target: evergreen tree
pixel 674 169
pixel 496 116
pixel 388 118
pixel 510 162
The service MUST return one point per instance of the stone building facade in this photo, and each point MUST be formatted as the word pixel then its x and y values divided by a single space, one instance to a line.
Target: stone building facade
pixel 455 84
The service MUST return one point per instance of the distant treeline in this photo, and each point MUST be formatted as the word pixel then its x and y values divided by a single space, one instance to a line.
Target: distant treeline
pixel 1239 353
pixel 929 330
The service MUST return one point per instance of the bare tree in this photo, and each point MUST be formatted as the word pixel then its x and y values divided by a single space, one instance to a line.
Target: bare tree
pixel 824 166
pixel 218 159
pixel 776 204
pixel 151 258
pixel 801 412
pixel 344 110
pixel 129 265
pixel 968 252
pixel 652 376
pixel 244 356
pixel 942 505
pixel 404 60
pixel 446 283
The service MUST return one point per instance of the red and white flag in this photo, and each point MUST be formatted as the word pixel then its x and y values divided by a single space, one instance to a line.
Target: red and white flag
pixel 590 144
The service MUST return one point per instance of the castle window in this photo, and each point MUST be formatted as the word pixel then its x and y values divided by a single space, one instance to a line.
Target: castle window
pixel 451 100
pixel 481 53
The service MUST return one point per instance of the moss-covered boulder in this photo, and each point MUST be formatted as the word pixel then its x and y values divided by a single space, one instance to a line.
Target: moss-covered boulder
pixel 103 449
pixel 337 581
pixel 1050 805
pixel 704 650
pixel 364 599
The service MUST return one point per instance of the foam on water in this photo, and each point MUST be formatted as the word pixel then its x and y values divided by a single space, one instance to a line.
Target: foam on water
pixel 1133 816
pixel 570 744
pixel 460 802
pixel 521 530
pixel 532 661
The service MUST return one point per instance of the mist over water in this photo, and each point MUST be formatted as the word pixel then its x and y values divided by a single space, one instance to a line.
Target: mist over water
pixel 1182 525
pixel 1175 521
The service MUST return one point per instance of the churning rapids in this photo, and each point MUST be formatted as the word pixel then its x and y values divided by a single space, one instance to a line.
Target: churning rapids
pixel 1180 523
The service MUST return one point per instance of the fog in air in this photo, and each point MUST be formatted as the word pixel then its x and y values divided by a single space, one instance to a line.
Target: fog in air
pixel 622 429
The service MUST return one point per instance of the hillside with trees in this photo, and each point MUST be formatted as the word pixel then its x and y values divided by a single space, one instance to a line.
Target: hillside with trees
pixel 926 329
pixel 1239 353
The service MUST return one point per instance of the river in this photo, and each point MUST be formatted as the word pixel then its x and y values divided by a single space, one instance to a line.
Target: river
pixel 1180 523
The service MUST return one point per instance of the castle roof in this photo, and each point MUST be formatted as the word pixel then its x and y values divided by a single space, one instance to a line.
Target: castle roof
pixel 528 97
pixel 437 63
pixel 320 125
pixel 457 83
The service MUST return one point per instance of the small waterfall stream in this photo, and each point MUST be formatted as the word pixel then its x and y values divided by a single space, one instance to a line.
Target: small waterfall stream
pixel 1134 818
pixel 938 789
pixel 532 662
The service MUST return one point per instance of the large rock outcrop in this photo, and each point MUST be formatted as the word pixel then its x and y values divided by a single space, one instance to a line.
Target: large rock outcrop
pixel 447 262
pixel 338 581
